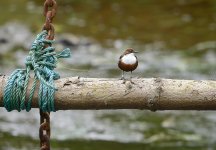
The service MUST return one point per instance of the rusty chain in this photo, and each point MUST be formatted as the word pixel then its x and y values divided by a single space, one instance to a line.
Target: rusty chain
pixel 44 130
pixel 50 8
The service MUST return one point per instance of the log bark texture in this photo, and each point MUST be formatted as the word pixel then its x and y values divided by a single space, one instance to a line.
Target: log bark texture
pixel 146 93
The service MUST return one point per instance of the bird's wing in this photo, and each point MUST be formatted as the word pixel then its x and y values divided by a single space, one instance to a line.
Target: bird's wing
pixel 136 57
pixel 120 58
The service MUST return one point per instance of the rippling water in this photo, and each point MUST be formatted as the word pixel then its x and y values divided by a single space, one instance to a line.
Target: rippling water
pixel 176 39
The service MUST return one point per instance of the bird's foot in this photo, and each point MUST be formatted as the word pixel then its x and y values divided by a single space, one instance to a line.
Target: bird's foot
pixel 131 81
pixel 124 81
pixel 122 78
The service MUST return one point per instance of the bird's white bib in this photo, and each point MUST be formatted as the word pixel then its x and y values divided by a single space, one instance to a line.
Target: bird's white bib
pixel 129 59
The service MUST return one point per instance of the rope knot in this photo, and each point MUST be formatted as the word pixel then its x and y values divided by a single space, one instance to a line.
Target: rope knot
pixel 42 59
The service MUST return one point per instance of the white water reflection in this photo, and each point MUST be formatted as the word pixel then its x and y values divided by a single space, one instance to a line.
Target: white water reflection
pixel 116 125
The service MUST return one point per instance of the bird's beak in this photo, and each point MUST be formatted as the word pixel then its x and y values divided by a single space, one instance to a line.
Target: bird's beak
pixel 136 52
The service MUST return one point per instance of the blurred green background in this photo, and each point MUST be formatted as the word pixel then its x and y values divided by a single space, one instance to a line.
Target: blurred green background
pixel 175 38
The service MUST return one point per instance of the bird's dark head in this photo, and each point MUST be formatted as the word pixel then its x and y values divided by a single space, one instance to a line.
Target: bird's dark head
pixel 129 50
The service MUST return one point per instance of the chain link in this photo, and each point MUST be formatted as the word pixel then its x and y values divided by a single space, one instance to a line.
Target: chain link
pixel 44 130
pixel 50 8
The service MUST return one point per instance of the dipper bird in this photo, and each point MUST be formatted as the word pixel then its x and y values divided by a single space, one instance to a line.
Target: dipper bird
pixel 128 62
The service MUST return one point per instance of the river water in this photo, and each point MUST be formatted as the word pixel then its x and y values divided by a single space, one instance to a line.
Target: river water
pixel 175 39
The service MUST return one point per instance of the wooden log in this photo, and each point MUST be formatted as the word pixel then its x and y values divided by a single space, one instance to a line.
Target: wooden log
pixel 146 93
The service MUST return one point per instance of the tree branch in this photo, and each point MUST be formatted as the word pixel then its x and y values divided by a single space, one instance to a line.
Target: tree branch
pixel 153 94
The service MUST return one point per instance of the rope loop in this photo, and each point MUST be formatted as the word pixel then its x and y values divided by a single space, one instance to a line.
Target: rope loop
pixel 42 60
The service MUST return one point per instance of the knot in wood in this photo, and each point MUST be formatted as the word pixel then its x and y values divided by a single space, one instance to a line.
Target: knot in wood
pixel 153 101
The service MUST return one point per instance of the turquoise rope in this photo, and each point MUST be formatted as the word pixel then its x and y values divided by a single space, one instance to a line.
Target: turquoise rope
pixel 42 60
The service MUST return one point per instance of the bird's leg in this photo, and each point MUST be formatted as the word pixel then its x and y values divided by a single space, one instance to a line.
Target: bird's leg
pixel 122 77
pixel 131 78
